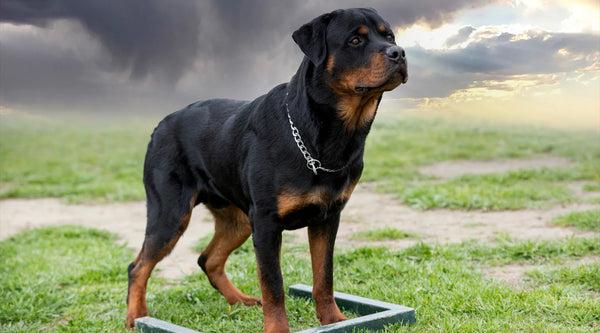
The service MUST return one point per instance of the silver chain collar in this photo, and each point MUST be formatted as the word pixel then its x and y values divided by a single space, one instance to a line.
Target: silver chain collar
pixel 311 163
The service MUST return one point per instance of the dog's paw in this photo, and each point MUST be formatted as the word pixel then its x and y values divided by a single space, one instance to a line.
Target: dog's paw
pixel 331 317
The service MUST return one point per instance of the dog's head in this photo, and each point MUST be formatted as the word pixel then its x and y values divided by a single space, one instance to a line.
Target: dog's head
pixel 356 58
pixel 356 50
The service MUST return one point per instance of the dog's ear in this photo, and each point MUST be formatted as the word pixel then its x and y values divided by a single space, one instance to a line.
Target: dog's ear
pixel 312 38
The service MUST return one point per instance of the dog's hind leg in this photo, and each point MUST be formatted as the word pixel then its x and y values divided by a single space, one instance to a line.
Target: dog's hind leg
pixel 232 228
pixel 169 213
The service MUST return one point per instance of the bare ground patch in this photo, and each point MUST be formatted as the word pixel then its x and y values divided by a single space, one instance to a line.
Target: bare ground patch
pixel 515 274
pixel 369 210
pixel 366 210
pixel 580 193
pixel 128 220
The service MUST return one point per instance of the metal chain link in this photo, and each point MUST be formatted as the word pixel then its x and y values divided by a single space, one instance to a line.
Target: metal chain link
pixel 311 163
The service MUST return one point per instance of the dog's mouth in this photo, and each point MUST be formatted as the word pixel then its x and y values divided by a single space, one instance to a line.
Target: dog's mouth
pixel 395 79
pixel 363 90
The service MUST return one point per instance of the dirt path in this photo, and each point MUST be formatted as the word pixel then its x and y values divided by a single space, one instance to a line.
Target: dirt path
pixel 128 220
pixel 366 210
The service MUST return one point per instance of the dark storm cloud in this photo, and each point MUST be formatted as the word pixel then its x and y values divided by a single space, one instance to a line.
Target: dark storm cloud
pixel 32 70
pixel 259 24
pixel 508 54
pixel 160 55
pixel 252 39
pixel 142 36
pixel 170 52
pixel 165 37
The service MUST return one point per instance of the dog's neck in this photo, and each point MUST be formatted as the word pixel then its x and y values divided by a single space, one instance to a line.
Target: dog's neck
pixel 323 126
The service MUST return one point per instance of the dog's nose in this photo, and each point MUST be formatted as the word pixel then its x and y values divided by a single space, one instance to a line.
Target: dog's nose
pixel 395 53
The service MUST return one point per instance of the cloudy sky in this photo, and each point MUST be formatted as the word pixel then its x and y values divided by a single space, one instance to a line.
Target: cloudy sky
pixel 537 61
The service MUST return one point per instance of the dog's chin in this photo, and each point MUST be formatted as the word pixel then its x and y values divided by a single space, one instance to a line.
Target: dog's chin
pixel 393 81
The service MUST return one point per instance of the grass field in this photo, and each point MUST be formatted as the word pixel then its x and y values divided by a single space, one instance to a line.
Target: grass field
pixel 80 162
pixel 83 162
pixel 444 283
pixel 587 220
pixel 385 233
pixel 396 149
pixel 72 279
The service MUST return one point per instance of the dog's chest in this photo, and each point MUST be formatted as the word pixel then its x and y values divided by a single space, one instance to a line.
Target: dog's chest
pixel 300 208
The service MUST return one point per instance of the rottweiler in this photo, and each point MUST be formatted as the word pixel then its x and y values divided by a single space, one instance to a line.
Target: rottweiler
pixel 286 160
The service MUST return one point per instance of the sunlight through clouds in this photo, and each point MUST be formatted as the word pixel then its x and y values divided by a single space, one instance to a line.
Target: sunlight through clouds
pixel 583 15
pixel 425 37
pixel 582 18
pixel 514 68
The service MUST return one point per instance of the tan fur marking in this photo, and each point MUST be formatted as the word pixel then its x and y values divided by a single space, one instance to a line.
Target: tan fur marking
pixel 347 192
pixel 356 109
pixel 274 314
pixel 289 201
pixel 363 30
pixel 373 74
pixel 136 303
pixel 330 63
pixel 185 220
pixel 327 310
pixel 136 306
pixel 381 28
pixel 143 266
pixel 232 228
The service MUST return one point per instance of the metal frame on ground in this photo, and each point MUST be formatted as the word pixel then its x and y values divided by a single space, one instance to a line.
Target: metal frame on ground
pixel 374 315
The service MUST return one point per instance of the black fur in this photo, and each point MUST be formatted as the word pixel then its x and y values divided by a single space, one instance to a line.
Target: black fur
pixel 226 152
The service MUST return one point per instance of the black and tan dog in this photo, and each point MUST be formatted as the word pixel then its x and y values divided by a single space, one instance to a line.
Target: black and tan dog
pixel 286 160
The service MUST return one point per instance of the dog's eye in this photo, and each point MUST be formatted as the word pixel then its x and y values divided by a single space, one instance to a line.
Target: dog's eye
pixel 355 41
pixel 390 38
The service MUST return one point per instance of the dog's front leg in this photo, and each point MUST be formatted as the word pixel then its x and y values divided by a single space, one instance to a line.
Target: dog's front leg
pixel 321 238
pixel 267 246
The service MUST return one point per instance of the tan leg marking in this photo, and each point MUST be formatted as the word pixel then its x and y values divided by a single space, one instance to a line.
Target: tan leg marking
pixel 327 310
pixel 143 266
pixel 232 228
pixel 275 316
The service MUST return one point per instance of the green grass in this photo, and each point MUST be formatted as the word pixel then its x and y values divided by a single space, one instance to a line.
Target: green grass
pixel 509 190
pixel 82 162
pixel 72 279
pixel 75 161
pixel 385 233
pixel 396 146
pixel 488 192
pixel 586 220
pixel 396 149
pixel 66 278
pixel 46 284
pixel 591 187
pixel 585 277
pixel 202 243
